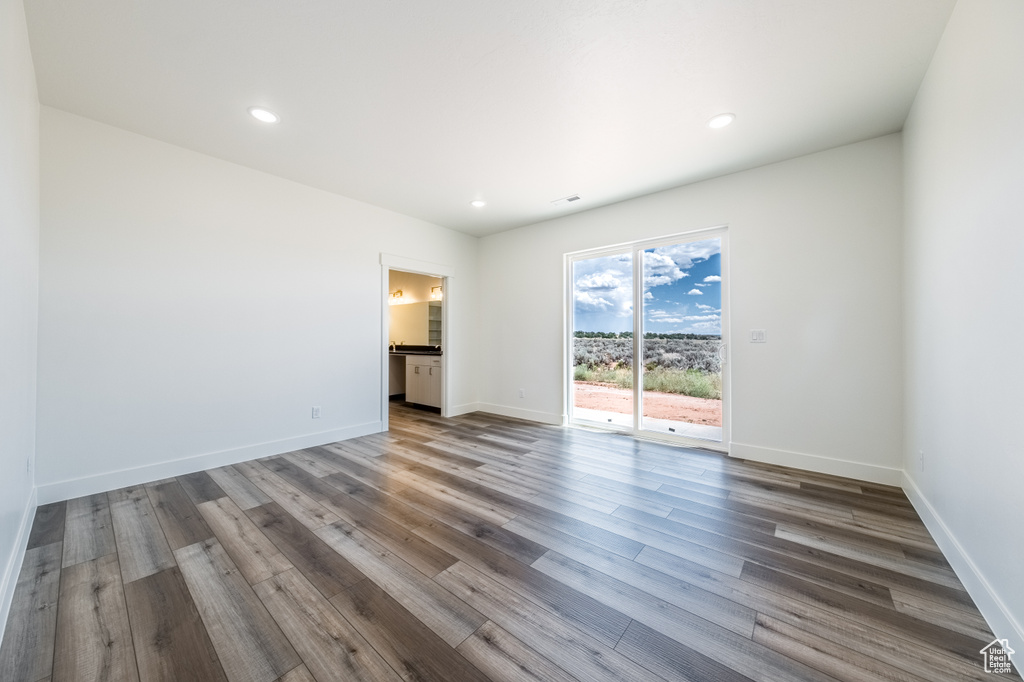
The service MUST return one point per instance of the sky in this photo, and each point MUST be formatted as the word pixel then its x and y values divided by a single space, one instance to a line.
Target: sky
pixel 682 290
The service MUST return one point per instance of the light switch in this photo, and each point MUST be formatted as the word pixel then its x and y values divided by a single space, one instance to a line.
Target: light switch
pixel 758 336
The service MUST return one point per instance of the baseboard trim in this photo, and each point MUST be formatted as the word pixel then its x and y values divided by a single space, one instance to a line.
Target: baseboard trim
pixel 463 409
pixel 111 480
pixel 984 595
pixel 818 464
pixel 14 561
pixel 520 413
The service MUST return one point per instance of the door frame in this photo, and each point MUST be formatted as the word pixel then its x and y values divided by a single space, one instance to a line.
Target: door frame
pixel 390 262
pixel 636 249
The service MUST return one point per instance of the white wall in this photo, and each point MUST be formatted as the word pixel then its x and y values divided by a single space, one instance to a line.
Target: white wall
pixel 964 152
pixel 19 288
pixel 815 260
pixel 409 317
pixel 415 288
pixel 192 308
pixel 410 324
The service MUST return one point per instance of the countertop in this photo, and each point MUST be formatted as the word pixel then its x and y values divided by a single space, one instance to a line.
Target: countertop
pixel 415 350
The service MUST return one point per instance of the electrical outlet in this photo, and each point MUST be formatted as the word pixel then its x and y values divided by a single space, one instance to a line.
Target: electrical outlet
pixel 522 393
pixel 316 412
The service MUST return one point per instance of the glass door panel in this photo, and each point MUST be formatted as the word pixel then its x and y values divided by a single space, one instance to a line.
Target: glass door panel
pixel 602 343
pixel 682 337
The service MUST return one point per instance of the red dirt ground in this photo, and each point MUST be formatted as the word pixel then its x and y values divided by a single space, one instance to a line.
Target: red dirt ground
pixel 671 406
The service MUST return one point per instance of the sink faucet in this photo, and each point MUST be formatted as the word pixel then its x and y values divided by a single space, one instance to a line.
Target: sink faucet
pixel 392 347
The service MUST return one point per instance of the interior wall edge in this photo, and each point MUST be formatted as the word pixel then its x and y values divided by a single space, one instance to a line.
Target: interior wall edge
pixel 112 480
pixel 985 597
pixel 820 464
pixel 14 561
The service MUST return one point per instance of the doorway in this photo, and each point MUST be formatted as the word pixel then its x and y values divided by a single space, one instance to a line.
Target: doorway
pixel 415 334
pixel 415 339
pixel 648 334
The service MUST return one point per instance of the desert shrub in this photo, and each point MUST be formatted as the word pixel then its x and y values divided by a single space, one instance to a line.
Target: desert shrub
pixel 692 382
pixel 700 354
pixel 620 378
pixel 685 366
pixel 596 352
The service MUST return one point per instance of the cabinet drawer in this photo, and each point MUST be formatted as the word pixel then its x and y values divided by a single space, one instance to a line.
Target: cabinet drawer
pixel 422 361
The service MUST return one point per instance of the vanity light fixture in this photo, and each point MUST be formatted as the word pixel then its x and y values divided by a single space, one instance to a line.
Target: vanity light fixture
pixel 435 293
pixel 263 115
pixel 395 297
pixel 721 120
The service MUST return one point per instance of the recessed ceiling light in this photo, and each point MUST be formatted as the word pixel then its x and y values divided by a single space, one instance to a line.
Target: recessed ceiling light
pixel 478 203
pixel 721 120
pixel 264 115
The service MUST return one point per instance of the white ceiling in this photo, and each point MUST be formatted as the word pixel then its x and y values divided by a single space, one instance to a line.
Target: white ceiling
pixel 421 106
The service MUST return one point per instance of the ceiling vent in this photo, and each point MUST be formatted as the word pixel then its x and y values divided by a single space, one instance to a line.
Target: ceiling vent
pixel 566 200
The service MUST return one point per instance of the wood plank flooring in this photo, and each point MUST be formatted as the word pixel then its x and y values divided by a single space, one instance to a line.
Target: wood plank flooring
pixel 487 548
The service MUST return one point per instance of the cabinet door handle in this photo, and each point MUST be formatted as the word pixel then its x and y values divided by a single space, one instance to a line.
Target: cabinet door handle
pixel 416 370
pixel 431 371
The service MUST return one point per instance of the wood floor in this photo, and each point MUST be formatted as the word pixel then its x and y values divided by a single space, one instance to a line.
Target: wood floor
pixel 484 548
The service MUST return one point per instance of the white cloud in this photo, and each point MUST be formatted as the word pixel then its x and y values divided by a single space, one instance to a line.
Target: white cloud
pixel 604 285
pixel 698 318
pixel 660 269
pixel 605 281
pixel 664 317
pixel 708 308
pixel 713 326
pixel 667 264
pixel 590 303
pixel 712 278
pixel 684 255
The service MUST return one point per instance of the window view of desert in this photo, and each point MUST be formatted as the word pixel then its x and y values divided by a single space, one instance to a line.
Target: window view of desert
pixel 680 320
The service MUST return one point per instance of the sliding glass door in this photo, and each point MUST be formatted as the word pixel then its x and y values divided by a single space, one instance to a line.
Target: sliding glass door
pixel 678 388
pixel 682 340
pixel 602 339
